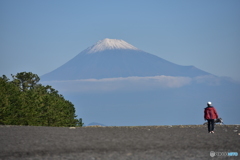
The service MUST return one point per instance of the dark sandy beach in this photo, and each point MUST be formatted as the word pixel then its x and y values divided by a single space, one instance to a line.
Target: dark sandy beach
pixel 117 143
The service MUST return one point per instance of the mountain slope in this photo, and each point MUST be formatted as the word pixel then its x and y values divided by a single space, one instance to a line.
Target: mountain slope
pixel 116 58
pixel 149 99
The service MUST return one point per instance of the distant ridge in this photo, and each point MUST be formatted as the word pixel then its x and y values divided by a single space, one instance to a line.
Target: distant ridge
pixel 112 58
pixel 95 124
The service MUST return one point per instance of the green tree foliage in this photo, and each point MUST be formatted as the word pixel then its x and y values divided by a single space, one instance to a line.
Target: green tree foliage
pixel 80 122
pixel 25 102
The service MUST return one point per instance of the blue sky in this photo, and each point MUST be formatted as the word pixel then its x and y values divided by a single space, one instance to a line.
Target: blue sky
pixel 39 36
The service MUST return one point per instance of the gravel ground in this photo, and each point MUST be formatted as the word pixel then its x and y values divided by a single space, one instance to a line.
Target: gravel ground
pixel 117 143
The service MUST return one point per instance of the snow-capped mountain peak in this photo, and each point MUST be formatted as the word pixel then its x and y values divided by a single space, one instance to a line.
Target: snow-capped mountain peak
pixel 109 44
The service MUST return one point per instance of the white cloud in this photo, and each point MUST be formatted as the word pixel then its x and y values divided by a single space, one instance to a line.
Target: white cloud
pixel 112 84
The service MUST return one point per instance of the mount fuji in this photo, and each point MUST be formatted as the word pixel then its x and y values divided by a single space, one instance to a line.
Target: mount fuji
pixel 117 84
pixel 111 58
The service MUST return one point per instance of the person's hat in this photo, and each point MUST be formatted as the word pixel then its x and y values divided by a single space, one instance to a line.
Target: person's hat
pixel 209 103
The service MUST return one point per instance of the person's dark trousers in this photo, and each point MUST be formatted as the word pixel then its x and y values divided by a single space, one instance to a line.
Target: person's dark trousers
pixel 210 125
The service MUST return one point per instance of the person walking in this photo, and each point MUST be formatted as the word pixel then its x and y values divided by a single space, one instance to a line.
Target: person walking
pixel 210 114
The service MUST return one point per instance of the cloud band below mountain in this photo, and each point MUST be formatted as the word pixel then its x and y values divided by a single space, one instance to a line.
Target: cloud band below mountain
pixel 121 83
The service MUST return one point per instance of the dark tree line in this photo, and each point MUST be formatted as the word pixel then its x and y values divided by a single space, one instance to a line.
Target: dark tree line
pixel 25 102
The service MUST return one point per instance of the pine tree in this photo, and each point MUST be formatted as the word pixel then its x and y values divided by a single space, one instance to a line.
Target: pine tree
pixel 25 102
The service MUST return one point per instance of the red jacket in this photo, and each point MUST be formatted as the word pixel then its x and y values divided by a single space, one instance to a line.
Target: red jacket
pixel 210 113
